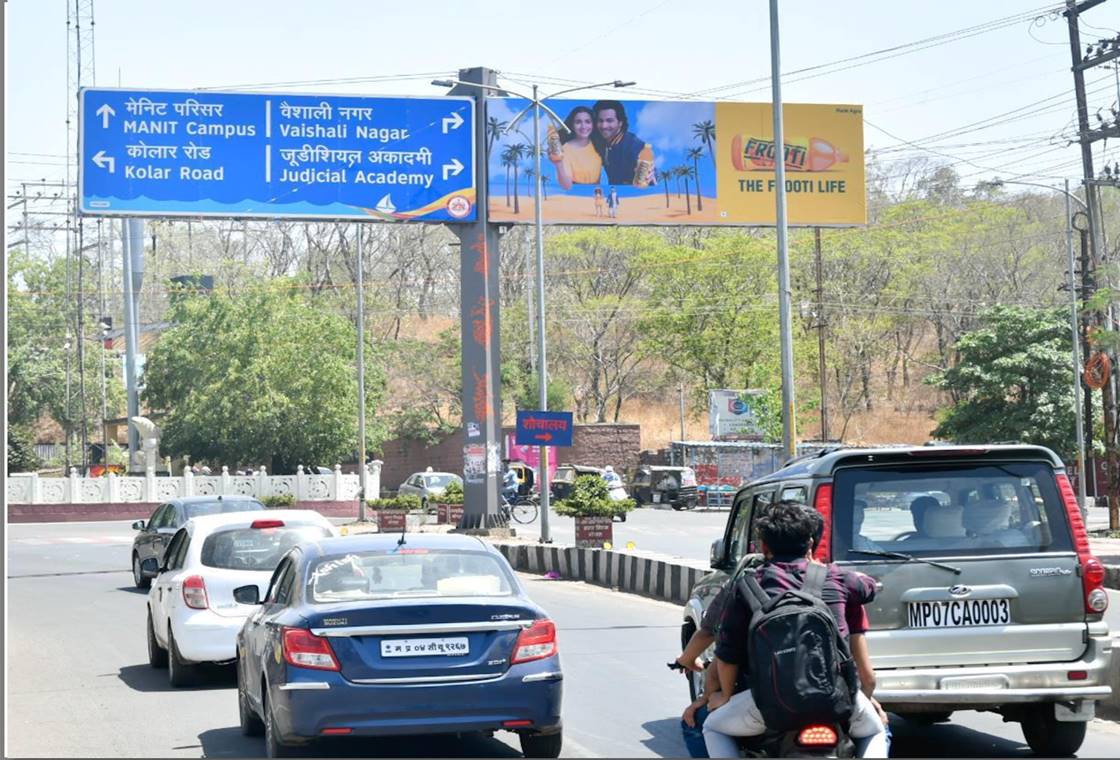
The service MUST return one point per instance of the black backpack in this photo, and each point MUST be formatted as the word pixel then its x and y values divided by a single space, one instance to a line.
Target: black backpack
pixel 801 669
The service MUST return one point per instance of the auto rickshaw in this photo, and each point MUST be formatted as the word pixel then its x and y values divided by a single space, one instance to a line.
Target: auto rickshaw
pixel 655 484
pixel 526 477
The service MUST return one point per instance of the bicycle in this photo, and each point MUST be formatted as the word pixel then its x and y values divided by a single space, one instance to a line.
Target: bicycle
pixel 524 509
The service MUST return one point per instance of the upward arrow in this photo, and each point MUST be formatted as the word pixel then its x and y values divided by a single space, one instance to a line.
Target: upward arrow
pixel 105 112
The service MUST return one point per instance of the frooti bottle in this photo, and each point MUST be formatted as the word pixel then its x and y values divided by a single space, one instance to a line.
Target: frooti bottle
pixel 555 151
pixel 755 154
pixel 643 172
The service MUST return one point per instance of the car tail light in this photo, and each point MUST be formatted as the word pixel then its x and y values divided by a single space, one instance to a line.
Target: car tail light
pixel 1078 675
pixel 259 524
pixel 194 593
pixel 306 650
pixel 823 504
pixel 1092 571
pixel 817 736
pixel 535 642
pixel 516 723
pixel 339 731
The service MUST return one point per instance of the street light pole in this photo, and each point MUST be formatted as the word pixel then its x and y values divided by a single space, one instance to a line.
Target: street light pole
pixel 361 384
pixel 1079 424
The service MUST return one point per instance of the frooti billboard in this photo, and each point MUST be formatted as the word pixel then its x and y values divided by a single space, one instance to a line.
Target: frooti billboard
pixel 658 162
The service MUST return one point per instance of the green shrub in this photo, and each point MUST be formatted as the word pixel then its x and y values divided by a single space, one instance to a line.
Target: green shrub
pixel 453 494
pixel 590 497
pixel 279 501
pixel 21 454
pixel 407 503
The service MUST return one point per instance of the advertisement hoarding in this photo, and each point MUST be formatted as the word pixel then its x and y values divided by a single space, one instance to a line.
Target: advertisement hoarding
pixel 648 162
pixel 732 413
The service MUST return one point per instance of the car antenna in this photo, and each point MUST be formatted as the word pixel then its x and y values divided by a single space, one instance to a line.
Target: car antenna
pixel 400 541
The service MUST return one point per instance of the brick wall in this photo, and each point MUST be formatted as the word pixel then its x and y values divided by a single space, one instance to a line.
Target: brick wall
pixel 595 445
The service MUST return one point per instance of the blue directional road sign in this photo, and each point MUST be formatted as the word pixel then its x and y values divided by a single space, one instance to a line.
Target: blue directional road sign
pixel 197 153
pixel 544 428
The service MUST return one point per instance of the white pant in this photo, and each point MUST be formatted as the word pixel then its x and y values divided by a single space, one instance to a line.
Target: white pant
pixel 741 717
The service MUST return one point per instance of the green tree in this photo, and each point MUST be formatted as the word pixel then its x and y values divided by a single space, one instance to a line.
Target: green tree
pixel 266 375
pixel 1013 380
pixel 21 454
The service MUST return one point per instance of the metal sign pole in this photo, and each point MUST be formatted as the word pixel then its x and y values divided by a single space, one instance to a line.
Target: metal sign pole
pixel 361 384
pixel 542 360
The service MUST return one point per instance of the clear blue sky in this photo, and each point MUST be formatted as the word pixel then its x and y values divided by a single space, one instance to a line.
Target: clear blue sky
pixel 665 46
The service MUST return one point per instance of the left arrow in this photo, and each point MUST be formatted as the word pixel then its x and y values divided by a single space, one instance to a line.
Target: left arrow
pixel 452 168
pixel 100 159
pixel 105 112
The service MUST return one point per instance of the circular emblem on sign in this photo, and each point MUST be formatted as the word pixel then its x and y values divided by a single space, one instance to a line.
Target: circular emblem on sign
pixel 458 206
pixel 960 590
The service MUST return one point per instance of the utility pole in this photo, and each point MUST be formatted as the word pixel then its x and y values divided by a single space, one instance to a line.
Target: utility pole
pixel 785 319
pixel 1086 138
pixel 820 335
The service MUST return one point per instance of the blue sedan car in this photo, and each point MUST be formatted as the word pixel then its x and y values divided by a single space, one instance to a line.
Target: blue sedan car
pixel 372 636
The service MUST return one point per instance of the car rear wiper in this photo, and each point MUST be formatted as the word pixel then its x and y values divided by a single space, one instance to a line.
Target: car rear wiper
pixel 907 557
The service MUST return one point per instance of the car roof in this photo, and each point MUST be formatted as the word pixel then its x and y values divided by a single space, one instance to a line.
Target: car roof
pixel 213 522
pixel 372 542
pixel 433 472
pixel 824 463
pixel 187 500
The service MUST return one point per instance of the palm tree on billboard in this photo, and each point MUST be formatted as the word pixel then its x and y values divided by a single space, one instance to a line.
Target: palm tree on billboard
pixel 508 161
pixel 705 132
pixel 494 129
pixel 664 175
pixel 687 173
pixel 517 152
pixel 695 154
pixel 529 185
pixel 545 179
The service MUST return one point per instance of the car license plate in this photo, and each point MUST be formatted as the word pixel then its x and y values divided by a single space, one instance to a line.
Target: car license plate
pixel 960 613
pixel 454 646
pixel 656 498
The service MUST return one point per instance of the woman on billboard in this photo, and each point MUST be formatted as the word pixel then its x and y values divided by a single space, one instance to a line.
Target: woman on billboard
pixel 577 162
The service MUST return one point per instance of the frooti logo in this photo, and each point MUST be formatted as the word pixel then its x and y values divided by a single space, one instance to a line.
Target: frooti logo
pixel 458 206
pixel 738 406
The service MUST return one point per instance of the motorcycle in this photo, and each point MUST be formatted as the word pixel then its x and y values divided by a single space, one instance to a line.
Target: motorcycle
pixel 823 740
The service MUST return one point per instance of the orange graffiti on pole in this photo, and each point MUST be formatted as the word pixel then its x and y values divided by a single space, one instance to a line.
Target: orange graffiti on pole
pixel 481 324
pixel 481 396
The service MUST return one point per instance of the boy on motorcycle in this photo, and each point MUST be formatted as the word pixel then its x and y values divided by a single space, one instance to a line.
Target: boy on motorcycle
pixel 786 530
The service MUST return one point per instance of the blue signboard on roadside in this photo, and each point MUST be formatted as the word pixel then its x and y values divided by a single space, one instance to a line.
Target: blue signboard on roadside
pixel 544 428
pixel 201 153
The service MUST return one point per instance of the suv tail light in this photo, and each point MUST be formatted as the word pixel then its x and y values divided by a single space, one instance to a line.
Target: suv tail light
pixel 194 593
pixel 1092 571
pixel 259 524
pixel 823 505
pixel 535 642
pixel 817 736
pixel 304 649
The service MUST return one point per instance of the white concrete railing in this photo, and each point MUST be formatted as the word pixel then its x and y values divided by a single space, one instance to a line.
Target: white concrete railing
pixel 29 488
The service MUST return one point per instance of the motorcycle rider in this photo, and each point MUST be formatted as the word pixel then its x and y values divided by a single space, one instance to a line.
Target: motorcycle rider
pixel 786 530
pixel 509 483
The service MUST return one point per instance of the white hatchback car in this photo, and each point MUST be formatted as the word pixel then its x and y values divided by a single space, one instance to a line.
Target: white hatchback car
pixel 193 615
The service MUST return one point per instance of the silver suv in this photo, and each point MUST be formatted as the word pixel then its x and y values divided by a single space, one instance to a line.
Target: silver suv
pixel 989 598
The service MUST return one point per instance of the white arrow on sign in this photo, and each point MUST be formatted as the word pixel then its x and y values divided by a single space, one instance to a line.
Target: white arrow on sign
pixel 452 168
pixel 105 112
pixel 454 121
pixel 100 159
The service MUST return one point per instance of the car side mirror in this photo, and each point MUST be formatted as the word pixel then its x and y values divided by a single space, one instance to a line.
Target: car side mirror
pixel 717 555
pixel 151 565
pixel 139 525
pixel 247 594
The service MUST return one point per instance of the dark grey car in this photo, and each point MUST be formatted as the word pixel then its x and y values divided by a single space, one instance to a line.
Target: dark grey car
pixel 989 597
pixel 156 532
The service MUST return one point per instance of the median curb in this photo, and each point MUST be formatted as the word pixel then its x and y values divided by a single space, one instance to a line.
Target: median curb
pixel 648 576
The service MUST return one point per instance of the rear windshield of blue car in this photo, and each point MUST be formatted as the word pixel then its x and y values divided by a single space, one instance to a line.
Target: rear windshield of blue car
pixel 958 510
pixel 408 573
pixel 222 506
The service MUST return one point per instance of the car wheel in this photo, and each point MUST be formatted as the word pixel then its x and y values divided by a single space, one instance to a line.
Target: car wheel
pixel 137 574
pixel 542 745
pixel 273 747
pixel 157 655
pixel 251 724
pixel 1050 737
pixel 179 673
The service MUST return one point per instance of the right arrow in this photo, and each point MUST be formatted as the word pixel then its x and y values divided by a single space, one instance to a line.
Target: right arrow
pixel 452 168
pixel 100 159
pixel 105 112
pixel 454 121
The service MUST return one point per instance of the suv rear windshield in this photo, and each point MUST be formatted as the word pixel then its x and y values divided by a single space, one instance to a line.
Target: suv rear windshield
pixel 948 510
pixel 255 548
pixel 408 573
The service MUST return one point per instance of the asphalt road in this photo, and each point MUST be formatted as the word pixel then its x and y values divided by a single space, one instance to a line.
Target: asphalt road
pixel 79 683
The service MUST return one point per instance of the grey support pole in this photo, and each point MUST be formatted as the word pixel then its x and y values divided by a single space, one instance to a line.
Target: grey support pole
pixel 129 343
pixel 542 359
pixel 1082 474
pixel 361 384
pixel 789 425
pixel 479 292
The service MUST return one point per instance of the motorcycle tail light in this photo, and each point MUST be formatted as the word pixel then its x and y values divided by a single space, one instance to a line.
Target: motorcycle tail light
pixel 817 736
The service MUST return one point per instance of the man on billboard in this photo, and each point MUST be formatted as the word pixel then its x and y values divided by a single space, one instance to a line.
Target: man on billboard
pixel 627 159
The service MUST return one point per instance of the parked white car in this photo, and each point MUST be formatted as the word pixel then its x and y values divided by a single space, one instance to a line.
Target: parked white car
pixel 193 615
